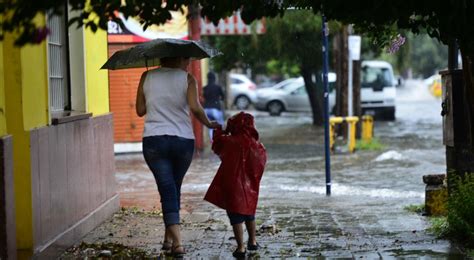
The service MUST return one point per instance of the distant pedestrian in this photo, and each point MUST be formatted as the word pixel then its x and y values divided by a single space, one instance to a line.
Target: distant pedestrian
pixel 166 95
pixel 213 98
pixel 236 185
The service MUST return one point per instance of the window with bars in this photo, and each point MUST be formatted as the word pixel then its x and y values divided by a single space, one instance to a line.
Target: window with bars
pixel 59 87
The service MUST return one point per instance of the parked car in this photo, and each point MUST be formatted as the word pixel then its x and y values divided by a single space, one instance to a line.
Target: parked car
pixel 378 93
pixel 289 96
pixel 284 82
pixel 378 89
pixel 242 91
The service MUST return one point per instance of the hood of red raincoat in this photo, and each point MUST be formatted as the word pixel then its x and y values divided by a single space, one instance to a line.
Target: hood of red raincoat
pixel 242 124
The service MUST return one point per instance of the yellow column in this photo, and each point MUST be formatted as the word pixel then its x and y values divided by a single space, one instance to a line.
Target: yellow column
pixel 97 80
pixel 21 144
pixel 34 81
pixel 3 123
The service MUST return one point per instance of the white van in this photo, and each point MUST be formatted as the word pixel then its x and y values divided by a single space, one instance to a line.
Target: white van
pixel 378 89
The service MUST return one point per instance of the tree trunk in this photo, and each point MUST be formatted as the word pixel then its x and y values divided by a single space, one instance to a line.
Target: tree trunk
pixel 356 108
pixel 315 96
pixel 341 52
pixel 468 71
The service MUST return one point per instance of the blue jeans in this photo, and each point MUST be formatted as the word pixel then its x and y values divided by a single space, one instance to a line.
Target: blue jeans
pixel 168 157
pixel 214 114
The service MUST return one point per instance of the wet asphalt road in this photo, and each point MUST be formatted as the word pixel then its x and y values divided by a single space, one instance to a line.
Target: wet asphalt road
pixel 363 218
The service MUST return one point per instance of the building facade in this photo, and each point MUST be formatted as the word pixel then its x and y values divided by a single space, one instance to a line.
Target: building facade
pixel 56 139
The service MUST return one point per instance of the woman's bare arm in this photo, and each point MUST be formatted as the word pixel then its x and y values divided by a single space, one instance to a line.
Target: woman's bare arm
pixel 140 104
pixel 195 105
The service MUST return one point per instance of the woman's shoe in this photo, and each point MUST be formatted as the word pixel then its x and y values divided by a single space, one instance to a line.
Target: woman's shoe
pixel 251 247
pixel 238 254
pixel 178 253
pixel 166 246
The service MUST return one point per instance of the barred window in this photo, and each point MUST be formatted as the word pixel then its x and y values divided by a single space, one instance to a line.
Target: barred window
pixel 59 87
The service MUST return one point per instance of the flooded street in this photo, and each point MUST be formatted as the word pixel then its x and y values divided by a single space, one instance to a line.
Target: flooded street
pixel 364 217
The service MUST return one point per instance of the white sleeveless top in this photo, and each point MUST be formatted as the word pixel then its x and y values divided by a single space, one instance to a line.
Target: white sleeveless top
pixel 167 110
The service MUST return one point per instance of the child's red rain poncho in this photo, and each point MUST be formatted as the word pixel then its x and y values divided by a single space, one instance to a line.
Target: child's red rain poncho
pixel 236 184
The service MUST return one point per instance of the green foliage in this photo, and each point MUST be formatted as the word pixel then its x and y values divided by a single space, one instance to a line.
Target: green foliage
pixel 439 226
pixel 427 55
pixel 277 67
pixel 460 209
pixel 373 145
pixel 296 38
pixel 291 42
pixel 440 19
pixel 241 51
pixel 459 222
pixel 470 253
pixel 418 209
pixel 421 53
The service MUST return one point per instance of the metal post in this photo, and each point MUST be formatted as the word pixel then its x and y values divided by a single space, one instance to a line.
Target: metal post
pixel 349 87
pixel 326 106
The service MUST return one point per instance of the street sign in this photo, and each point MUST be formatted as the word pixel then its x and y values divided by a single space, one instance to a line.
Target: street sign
pixel 354 47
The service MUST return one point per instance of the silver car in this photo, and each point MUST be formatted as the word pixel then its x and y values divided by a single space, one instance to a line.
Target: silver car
pixel 291 97
pixel 242 91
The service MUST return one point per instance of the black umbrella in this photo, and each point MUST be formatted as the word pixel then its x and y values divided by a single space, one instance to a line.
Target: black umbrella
pixel 148 54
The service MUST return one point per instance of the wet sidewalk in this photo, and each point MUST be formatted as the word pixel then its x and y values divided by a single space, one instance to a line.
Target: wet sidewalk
pixel 364 217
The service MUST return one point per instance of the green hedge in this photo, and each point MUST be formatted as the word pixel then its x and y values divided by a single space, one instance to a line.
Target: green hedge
pixel 461 210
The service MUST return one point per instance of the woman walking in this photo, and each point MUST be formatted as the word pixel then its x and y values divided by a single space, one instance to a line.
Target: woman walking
pixel 166 95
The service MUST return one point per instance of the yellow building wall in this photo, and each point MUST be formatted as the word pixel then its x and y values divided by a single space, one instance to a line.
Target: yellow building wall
pixel 23 106
pixel 14 112
pixel 34 81
pixel 3 123
pixel 97 80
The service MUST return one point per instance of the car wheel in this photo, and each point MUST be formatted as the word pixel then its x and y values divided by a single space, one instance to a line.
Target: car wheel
pixel 242 102
pixel 275 108
pixel 390 115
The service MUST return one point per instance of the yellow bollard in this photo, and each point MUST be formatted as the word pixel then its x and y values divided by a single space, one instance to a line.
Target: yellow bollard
pixel 351 120
pixel 332 134
pixel 367 128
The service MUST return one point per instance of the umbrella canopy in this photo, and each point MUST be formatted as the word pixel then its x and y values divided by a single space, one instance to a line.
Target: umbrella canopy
pixel 148 54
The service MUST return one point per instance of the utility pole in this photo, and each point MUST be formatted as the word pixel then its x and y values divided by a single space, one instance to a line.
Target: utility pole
pixel 195 34
pixel 357 109
pixel 340 54
pixel 325 33
pixel 354 42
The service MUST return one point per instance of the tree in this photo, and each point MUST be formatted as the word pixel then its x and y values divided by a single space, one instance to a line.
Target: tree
pixel 293 40
pixel 296 38
pixel 428 55
pixel 422 54
pixel 241 51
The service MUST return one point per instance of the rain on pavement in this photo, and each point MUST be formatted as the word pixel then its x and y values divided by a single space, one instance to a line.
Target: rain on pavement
pixel 364 217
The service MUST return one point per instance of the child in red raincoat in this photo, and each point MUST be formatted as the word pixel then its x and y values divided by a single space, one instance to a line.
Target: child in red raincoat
pixel 236 185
